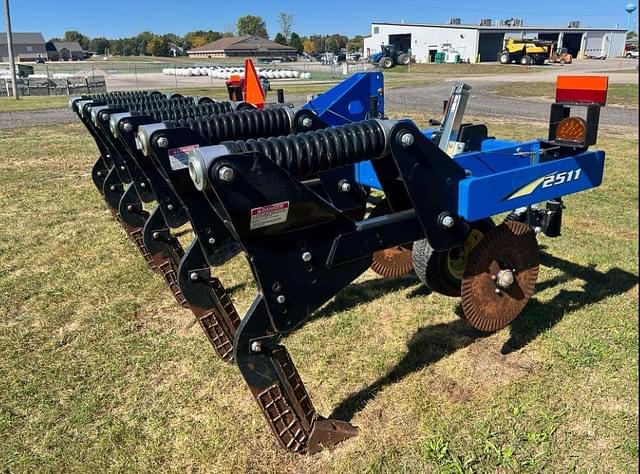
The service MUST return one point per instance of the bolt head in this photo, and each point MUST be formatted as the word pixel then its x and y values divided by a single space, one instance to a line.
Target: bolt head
pixel 127 127
pixel 156 236
pixel 99 174
pixel 130 207
pixel 212 241
pixel 162 142
pixel 306 257
pixel 256 346
pixel 307 122
pixel 345 186
pixel 407 139
pixel 112 188
pixel 497 291
pixel 505 279
pixel 193 276
pixel 143 185
pixel 281 299
pixel 122 167
pixel 447 222
pixel 170 207
pixel 226 174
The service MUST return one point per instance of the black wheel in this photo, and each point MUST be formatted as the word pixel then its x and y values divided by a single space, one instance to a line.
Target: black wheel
pixel 386 62
pixel 443 271
pixel 504 58
pixel 525 60
pixel 404 59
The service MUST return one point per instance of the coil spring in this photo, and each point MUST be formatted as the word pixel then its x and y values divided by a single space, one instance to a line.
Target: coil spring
pixel 244 124
pixel 175 112
pixel 306 154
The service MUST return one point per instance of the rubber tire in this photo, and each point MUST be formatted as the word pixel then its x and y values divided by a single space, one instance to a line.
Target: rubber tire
pixel 525 60
pixel 404 59
pixel 504 58
pixel 386 62
pixel 431 266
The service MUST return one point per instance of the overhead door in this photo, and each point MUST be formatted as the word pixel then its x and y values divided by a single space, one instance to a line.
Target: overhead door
pixel 594 44
pixel 489 45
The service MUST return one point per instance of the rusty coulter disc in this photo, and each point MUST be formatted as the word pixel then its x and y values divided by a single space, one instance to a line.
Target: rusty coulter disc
pixel 500 276
pixel 394 261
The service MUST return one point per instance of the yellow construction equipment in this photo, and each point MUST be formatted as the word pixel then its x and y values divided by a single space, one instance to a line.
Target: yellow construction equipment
pixel 525 51
pixel 560 55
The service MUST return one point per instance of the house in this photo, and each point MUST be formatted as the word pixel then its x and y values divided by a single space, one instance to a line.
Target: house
pixel 243 46
pixel 175 50
pixel 65 51
pixel 27 47
pixel 482 42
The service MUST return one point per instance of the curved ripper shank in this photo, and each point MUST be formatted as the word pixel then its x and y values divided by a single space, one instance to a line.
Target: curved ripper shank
pixel 303 250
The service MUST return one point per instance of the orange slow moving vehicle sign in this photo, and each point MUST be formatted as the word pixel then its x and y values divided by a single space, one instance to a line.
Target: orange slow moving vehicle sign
pixel 582 89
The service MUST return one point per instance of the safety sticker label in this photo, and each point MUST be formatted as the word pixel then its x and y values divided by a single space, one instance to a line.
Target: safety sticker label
pixel 179 157
pixel 269 215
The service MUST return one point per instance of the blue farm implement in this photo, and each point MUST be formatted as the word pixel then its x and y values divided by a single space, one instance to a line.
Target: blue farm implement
pixel 291 188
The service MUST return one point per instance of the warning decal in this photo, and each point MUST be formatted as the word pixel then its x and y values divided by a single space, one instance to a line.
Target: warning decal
pixel 269 215
pixel 179 157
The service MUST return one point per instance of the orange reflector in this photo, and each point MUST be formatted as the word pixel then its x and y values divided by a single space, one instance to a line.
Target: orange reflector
pixel 582 89
pixel 572 129
pixel 253 92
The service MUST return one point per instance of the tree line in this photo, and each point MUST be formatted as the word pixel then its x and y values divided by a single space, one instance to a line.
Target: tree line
pixel 148 43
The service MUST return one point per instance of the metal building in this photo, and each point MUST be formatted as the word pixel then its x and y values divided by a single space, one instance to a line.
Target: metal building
pixel 481 43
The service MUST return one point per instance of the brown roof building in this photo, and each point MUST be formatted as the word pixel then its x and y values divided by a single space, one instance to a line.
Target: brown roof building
pixel 242 46
pixel 65 51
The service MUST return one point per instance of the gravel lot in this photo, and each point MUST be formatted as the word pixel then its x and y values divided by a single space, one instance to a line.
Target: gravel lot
pixel 427 99
pixel 484 103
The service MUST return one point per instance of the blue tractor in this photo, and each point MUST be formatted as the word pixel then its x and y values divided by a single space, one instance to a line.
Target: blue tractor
pixel 389 56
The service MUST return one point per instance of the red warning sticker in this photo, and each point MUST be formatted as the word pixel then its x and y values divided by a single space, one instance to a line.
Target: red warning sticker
pixel 269 215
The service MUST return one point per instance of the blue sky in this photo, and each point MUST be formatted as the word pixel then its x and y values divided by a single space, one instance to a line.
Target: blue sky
pixel 116 18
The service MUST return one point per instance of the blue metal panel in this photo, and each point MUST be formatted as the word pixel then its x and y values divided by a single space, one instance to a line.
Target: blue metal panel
pixel 349 101
pixel 488 195
pixel 501 158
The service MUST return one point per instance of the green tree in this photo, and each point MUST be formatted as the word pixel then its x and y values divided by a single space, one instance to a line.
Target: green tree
pixel 280 39
pixel 252 25
pixel 356 44
pixel 73 35
pixel 195 39
pixel 158 46
pixel 99 45
pixel 296 42
pixel 286 24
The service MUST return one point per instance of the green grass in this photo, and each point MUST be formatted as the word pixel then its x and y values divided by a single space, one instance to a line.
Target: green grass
pixel 619 94
pixel 464 69
pixel 9 104
pixel 102 372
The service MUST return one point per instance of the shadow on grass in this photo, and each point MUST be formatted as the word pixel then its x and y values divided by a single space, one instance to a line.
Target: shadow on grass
pixel 432 343
pixel 368 291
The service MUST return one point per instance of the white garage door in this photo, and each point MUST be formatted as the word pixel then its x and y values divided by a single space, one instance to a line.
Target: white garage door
pixel 594 44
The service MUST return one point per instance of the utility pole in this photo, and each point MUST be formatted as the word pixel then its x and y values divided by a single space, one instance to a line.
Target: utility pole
pixel 12 60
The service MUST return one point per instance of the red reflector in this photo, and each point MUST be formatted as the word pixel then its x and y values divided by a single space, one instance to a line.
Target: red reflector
pixel 582 89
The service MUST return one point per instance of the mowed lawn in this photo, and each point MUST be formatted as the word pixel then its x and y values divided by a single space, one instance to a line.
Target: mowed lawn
pixel 618 94
pixel 101 372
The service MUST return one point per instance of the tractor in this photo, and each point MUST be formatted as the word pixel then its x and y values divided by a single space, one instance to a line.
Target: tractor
pixel 389 56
